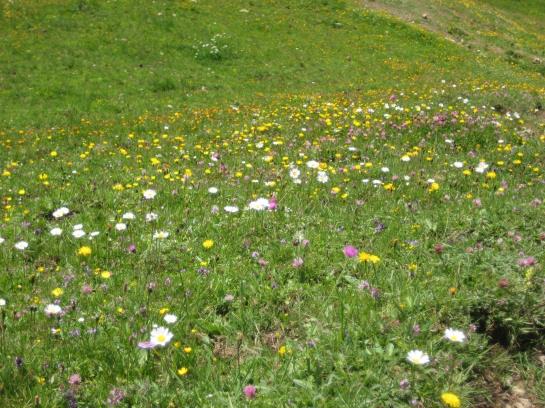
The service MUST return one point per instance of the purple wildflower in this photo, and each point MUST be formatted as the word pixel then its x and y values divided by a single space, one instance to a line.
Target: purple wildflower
pixel 350 251
pixel 250 391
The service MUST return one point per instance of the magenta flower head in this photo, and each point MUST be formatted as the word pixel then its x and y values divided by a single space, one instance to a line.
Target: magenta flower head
pixel 527 261
pixel 250 391
pixel 297 262
pixel 86 289
pixel 350 251
pixel 74 379
pixel 272 203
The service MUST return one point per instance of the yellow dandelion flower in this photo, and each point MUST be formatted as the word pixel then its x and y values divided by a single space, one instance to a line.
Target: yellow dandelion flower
pixel 389 187
pixel 208 244
pixel 451 400
pixel 57 292
pixel 85 251
pixel 433 187
pixel 366 257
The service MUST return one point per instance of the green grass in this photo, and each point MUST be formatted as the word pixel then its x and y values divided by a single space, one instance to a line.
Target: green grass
pixel 104 100
pixel 358 343
pixel 504 30
pixel 63 60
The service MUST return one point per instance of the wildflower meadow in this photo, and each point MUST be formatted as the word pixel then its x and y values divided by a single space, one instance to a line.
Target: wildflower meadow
pixel 302 204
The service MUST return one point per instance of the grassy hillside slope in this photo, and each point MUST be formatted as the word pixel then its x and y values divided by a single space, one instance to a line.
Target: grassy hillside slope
pixel 252 203
pixel 512 31
pixel 61 60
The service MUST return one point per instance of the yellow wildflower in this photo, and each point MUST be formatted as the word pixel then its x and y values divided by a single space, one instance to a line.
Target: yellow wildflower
pixel 366 257
pixel 433 187
pixel 57 292
pixel 85 251
pixel 451 400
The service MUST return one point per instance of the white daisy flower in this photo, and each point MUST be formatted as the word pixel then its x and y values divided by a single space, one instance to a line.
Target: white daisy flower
pixel 160 336
pixel 52 310
pixel 160 235
pixel 170 318
pixel 259 205
pixel 231 209
pixel 418 357
pixel 120 226
pixel 56 231
pixel 295 173
pixel 149 194
pixel 481 167
pixel 456 336
pixel 60 212
pixel 78 233
pixel 21 245
pixel 313 164
pixel 151 217
pixel 322 177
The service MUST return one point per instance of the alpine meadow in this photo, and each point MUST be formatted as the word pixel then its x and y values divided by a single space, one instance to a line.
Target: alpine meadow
pixel 272 203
